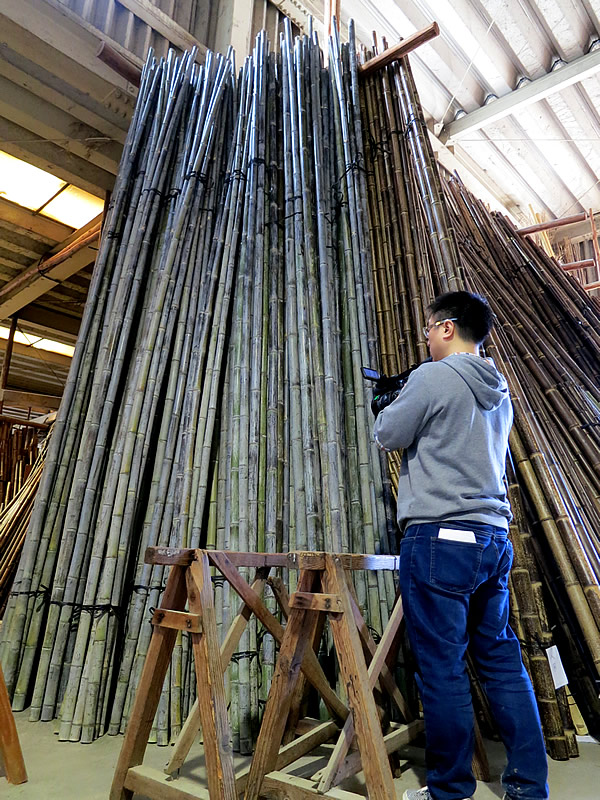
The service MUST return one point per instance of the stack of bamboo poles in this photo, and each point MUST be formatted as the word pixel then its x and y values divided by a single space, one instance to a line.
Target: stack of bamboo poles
pixel 18 452
pixel 16 513
pixel 271 232
pixel 552 363
pixel 216 397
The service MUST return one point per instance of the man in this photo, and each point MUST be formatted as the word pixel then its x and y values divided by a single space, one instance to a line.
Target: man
pixel 452 419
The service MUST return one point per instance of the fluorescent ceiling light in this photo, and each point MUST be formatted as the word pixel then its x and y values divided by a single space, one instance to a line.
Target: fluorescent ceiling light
pixel 38 343
pixel 26 185
pixel 74 207
pixel 35 189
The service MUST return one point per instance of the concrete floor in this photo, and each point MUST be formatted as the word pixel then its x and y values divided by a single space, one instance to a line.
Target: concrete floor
pixel 64 771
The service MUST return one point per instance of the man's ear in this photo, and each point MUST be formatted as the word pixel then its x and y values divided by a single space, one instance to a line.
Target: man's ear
pixel 449 330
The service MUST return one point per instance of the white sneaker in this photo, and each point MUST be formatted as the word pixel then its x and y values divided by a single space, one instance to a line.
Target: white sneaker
pixel 417 794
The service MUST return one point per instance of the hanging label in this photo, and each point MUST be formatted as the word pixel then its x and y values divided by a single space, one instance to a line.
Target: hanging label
pixel 559 676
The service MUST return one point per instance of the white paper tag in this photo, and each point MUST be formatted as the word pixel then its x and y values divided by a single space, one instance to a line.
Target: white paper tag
pixel 559 676
pixel 457 535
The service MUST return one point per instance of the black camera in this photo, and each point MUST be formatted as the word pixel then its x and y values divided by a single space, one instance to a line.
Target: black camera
pixel 386 388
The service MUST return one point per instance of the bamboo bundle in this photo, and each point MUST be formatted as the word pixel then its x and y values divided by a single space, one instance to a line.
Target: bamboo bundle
pixel 272 231
pixel 18 452
pixel 552 363
pixel 15 516
pixel 216 397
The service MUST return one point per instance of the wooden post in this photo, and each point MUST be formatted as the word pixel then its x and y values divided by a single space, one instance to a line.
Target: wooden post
pixel 10 748
pixel 8 355
pixel 191 726
pixel 149 688
pixel 211 688
pixel 595 244
pixel 378 774
pixel 298 632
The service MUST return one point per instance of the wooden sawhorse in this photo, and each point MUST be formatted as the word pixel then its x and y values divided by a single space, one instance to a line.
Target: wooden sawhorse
pixel 10 748
pixel 324 587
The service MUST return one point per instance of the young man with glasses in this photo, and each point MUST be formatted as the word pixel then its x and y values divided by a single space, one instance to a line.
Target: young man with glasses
pixel 452 420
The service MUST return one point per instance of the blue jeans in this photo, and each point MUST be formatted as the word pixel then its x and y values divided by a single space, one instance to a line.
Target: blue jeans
pixel 455 594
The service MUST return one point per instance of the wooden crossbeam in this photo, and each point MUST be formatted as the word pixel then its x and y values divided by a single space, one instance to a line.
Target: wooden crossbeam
pixel 178 620
pixel 170 556
pixel 311 667
pixel 400 50
pixel 316 601
pixel 291 752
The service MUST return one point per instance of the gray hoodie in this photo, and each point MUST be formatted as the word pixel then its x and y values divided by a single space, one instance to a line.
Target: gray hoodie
pixel 452 419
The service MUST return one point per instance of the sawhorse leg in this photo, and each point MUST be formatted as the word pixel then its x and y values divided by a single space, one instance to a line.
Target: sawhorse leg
pixel 298 635
pixel 10 748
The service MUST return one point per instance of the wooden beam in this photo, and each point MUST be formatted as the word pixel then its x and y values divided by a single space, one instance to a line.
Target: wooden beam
pixel 317 601
pixel 152 783
pixel 42 228
pixel 51 322
pixel 26 400
pixel 293 560
pixel 179 620
pixel 41 117
pixel 218 750
pixel 191 726
pixel 282 785
pixel 164 24
pixel 72 71
pixel 121 65
pixel 67 166
pixel 43 277
pixel 25 423
pixel 594 240
pixel 578 70
pixel 400 736
pixel 147 696
pixel 60 94
pixel 589 286
pixel 317 735
pixel 55 24
pixel 553 223
pixel 26 351
pixel 400 50
pixel 573 265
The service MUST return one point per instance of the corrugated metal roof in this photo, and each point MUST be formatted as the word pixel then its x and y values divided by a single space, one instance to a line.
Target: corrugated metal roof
pixel 545 154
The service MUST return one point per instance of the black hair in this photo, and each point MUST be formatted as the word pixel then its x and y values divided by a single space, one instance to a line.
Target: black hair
pixel 472 312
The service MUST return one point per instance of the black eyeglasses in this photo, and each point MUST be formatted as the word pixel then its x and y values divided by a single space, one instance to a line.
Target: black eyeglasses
pixel 427 328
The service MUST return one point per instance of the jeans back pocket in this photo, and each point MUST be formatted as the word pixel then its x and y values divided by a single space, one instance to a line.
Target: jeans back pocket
pixel 455 565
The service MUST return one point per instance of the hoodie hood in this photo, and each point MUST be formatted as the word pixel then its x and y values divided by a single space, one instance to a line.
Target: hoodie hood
pixel 481 376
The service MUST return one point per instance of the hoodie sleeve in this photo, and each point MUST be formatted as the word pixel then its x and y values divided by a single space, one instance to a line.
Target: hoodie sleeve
pixel 397 425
